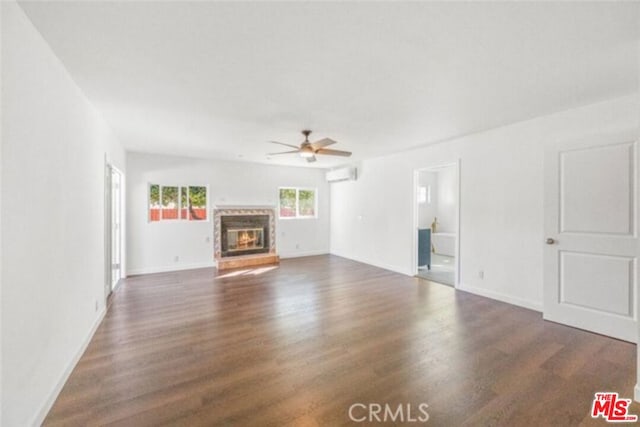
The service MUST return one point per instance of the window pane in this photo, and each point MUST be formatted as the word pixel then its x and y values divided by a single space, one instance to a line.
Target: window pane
pixel 422 194
pixel 307 202
pixel 183 203
pixel 197 203
pixel 287 202
pixel 169 202
pixel 154 202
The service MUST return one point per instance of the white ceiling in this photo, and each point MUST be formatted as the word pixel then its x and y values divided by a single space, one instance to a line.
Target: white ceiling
pixel 220 79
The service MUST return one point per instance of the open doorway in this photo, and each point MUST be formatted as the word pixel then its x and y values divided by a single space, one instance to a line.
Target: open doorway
pixel 114 181
pixel 436 220
pixel 116 227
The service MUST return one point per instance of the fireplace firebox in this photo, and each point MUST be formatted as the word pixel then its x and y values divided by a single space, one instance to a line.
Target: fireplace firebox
pixel 244 236
pixel 245 239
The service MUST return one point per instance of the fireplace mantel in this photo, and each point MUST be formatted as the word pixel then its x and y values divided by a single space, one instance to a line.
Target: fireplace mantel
pixel 249 207
pixel 222 256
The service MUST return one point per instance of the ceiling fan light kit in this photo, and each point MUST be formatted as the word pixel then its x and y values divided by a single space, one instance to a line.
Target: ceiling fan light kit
pixel 308 150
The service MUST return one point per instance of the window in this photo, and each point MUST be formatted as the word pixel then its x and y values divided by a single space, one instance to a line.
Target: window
pixel 288 203
pixel 154 202
pixel 173 203
pixel 424 194
pixel 298 203
pixel 169 202
pixel 184 210
pixel 197 203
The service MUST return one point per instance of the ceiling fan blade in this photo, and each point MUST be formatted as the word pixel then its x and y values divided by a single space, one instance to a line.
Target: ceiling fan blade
pixel 322 143
pixel 333 152
pixel 311 159
pixel 286 145
pixel 283 152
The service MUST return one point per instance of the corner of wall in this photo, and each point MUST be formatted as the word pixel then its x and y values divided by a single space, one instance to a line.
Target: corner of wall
pixel 509 299
pixel 384 266
pixel 48 403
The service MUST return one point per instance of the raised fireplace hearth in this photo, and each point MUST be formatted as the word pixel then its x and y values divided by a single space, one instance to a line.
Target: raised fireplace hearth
pixel 244 236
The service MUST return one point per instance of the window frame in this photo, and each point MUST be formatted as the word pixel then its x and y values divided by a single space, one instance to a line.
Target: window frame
pixel 179 219
pixel 298 216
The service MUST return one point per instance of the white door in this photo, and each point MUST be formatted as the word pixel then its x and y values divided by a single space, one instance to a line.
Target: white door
pixel 591 247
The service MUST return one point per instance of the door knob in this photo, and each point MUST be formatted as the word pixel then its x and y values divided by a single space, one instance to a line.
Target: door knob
pixel 550 241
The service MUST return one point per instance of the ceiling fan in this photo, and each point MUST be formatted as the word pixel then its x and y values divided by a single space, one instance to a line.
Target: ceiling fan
pixel 308 150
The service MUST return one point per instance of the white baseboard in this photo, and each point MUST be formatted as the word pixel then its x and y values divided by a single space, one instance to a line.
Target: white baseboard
pixel 636 393
pixel 300 254
pixel 169 268
pixel 46 407
pixel 520 302
pixel 390 267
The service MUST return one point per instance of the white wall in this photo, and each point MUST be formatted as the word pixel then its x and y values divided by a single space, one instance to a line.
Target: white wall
pixel 1 138
pixel 501 224
pixel 427 211
pixel 446 200
pixel 152 247
pixel 53 150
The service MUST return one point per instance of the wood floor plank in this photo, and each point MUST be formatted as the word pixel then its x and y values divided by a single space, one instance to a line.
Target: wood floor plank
pixel 298 344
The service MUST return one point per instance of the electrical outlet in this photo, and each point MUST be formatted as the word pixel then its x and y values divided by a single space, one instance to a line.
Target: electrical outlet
pixel 481 274
pixel 297 245
pixel 176 258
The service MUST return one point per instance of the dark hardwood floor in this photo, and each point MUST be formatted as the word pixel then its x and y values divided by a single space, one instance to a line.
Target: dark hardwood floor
pixel 297 345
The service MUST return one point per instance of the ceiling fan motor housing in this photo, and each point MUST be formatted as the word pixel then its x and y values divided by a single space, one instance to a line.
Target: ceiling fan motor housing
pixel 308 150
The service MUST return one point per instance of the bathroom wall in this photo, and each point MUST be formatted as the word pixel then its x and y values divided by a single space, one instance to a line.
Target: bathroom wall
pixel 428 210
pixel 446 199
pixel 443 185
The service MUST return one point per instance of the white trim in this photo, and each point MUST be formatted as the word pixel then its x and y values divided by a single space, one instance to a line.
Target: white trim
pixel 46 406
pixel 170 268
pixel 520 302
pixel 636 393
pixel 390 267
pixel 301 254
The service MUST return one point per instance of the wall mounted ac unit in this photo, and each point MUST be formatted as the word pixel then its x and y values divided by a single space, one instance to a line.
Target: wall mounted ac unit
pixel 342 174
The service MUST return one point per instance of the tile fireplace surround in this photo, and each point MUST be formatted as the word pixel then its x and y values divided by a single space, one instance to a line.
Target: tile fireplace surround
pixel 225 260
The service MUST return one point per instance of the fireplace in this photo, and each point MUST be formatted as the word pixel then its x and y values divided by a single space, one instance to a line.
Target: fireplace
pixel 244 236
pixel 245 239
